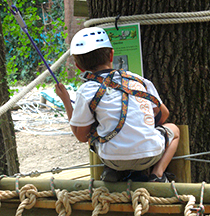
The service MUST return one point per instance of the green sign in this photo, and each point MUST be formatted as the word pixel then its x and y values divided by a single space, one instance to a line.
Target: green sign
pixel 127 47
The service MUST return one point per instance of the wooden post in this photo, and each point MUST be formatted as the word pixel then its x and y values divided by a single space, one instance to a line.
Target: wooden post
pixel 43 100
pixel 91 163
pixel 181 167
pixel 95 172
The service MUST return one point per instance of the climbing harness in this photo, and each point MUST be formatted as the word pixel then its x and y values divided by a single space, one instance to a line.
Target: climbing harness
pixel 23 26
pixel 106 83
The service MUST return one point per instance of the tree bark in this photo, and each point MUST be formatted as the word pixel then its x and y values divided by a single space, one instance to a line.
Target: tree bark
pixel 71 27
pixel 176 59
pixel 9 158
pixel 68 19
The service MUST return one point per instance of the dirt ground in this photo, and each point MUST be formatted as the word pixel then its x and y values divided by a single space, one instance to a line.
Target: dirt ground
pixel 44 138
pixel 42 153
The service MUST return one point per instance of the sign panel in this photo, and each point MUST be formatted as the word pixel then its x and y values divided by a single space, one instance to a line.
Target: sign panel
pixel 126 42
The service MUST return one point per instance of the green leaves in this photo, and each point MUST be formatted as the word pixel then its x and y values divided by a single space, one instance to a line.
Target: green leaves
pixel 23 62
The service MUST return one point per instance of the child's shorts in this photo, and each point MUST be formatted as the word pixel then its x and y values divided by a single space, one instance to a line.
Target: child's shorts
pixel 143 163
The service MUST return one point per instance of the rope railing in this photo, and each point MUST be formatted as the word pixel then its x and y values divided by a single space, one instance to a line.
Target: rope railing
pixel 153 19
pixel 34 83
pixel 101 199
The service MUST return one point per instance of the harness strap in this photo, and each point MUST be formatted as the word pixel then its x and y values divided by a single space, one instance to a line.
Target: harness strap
pixel 107 82
pixel 96 99
pixel 99 94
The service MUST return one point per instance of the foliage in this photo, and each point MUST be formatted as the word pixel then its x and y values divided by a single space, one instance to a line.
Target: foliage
pixel 46 27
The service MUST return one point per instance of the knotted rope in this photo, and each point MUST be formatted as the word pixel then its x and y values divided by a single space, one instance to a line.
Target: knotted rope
pixel 28 195
pixel 101 199
pixel 66 199
pixel 140 200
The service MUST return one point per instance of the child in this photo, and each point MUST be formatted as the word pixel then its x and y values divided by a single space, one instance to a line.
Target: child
pixel 138 145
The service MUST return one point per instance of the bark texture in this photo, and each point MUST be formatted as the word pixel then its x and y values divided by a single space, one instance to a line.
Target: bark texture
pixel 71 27
pixel 176 58
pixel 9 158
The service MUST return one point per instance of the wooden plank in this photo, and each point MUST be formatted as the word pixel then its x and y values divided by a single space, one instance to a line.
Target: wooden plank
pixel 87 206
pixel 81 8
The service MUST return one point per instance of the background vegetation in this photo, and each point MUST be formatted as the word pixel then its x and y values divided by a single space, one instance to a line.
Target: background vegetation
pixel 45 24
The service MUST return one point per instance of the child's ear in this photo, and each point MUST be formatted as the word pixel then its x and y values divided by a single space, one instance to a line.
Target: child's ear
pixel 79 67
pixel 111 55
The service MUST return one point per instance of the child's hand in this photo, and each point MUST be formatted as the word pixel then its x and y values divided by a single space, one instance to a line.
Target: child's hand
pixel 62 92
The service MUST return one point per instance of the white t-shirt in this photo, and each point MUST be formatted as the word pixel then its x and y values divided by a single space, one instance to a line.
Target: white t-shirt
pixel 138 138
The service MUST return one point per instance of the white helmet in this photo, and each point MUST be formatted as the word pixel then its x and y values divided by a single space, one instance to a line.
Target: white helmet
pixel 89 39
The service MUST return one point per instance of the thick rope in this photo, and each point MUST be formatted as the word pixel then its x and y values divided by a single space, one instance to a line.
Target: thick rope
pixel 28 195
pixel 101 200
pixel 153 19
pixel 66 198
pixel 34 83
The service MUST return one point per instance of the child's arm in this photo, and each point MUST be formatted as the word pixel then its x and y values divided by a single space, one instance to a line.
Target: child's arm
pixel 64 96
pixel 164 112
pixel 80 132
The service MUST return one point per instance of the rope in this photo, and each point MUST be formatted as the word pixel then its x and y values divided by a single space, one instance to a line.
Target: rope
pixel 175 192
pixel 200 210
pixel 91 187
pixel 101 199
pixel 128 190
pixel 140 195
pixel 52 186
pixel 17 185
pixel 28 195
pixel 153 19
pixel 33 84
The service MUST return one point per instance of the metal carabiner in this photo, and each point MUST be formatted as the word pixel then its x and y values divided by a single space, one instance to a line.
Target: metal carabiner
pixel 83 75
pixel 19 18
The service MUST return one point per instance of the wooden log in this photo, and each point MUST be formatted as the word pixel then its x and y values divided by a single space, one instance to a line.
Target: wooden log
pixel 181 167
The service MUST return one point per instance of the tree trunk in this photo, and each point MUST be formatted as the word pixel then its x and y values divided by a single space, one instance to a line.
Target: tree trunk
pixel 68 8
pixel 71 27
pixel 9 158
pixel 176 59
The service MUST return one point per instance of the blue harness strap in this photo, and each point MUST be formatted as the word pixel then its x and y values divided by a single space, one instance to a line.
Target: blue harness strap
pixel 107 82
